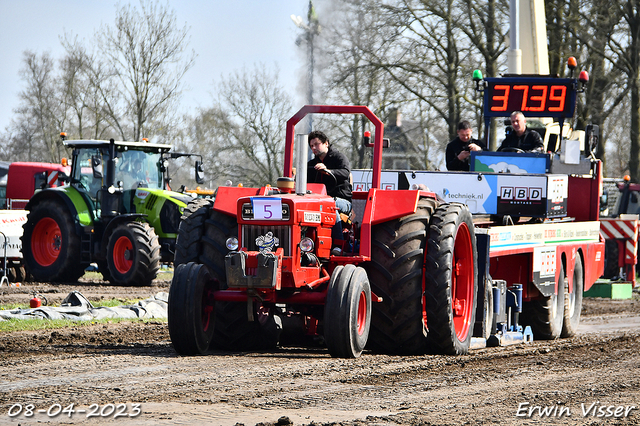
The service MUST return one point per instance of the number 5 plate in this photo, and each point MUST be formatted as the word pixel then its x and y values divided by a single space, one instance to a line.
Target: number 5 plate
pixel 267 208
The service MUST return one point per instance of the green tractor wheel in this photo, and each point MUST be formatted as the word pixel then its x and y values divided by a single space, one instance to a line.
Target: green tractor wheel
pixel 133 254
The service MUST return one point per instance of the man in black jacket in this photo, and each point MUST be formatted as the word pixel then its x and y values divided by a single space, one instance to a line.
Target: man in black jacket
pixel 522 137
pixel 332 168
pixel 459 149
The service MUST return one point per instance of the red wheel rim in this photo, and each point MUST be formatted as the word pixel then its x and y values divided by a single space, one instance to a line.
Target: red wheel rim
pixel 462 282
pixel 362 313
pixel 123 255
pixel 46 241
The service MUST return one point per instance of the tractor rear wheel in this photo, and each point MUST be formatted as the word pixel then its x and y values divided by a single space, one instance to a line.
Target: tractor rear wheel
pixel 347 312
pixel 451 279
pixel 191 230
pixel 545 315
pixel 133 254
pixel 191 309
pixel 573 301
pixel 398 323
pixel 50 245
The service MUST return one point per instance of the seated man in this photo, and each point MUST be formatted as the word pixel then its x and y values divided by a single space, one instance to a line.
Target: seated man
pixel 459 150
pixel 331 168
pixel 522 137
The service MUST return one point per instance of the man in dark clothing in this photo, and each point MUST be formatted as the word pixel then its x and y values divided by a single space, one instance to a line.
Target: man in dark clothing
pixel 521 137
pixel 331 168
pixel 459 149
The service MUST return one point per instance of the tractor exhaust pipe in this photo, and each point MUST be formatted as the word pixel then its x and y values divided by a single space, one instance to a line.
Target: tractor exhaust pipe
pixel 302 148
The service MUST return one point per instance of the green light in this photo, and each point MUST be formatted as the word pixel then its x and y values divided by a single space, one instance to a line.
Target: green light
pixel 477 75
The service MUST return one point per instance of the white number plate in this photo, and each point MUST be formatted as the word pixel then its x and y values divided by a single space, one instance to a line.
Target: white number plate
pixel 267 208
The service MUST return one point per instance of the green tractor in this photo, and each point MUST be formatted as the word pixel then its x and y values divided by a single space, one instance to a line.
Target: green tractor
pixel 117 211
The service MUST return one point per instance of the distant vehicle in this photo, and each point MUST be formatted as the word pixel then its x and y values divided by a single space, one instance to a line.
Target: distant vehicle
pixel 116 212
pixel 20 181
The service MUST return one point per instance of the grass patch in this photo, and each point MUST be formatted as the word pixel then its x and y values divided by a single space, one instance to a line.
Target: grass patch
pixel 109 303
pixel 163 274
pixel 12 325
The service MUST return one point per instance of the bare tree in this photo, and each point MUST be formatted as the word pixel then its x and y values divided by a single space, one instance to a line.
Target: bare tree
pixel 42 108
pixel 144 55
pixel 242 135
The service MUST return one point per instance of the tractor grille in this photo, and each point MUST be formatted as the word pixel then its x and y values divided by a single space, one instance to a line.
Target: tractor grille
pixel 151 201
pixel 251 232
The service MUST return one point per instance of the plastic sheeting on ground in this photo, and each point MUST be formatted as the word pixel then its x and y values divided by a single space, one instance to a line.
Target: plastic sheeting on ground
pixel 76 307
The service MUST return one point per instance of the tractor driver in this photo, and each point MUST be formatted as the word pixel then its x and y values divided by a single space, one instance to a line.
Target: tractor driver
pixel 332 168
pixel 521 138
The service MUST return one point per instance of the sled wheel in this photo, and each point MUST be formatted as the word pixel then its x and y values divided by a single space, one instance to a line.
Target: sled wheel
pixel 51 247
pixel 573 301
pixel 398 323
pixel 133 254
pixel 485 325
pixel 191 230
pixel 545 315
pixel 191 309
pixel 347 312
pixel 611 253
pixel 451 279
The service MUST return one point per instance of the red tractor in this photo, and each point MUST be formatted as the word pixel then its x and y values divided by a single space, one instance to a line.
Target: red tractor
pixel 257 262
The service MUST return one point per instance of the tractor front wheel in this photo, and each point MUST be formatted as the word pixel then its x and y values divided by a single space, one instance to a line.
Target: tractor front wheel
pixel 347 312
pixel 133 254
pixel 191 309
pixel 50 245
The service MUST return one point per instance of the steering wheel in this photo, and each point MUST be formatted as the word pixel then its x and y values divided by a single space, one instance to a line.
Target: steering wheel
pixel 511 149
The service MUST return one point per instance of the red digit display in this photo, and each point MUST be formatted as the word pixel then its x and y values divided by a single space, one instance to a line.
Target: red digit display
pixel 504 98
pixel 541 98
pixel 559 94
pixel 530 97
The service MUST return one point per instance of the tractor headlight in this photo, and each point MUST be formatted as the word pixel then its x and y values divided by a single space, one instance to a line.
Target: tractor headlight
pixel 306 244
pixel 232 243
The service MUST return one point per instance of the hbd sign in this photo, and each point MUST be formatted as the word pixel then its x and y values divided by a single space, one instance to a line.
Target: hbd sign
pixel 515 193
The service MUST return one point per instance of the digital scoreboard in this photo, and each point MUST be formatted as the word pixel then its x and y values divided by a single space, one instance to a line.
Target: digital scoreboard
pixel 534 97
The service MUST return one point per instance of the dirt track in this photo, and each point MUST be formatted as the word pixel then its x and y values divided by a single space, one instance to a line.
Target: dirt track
pixel 134 363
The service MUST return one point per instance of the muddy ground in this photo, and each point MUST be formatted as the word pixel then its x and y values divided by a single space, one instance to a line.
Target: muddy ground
pixel 128 373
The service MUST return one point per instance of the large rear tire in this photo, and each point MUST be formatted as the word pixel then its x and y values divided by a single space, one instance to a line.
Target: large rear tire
pixel 451 280
pixel 573 301
pixel 191 230
pixel 398 323
pixel 347 312
pixel 545 315
pixel 50 244
pixel 191 309
pixel 133 254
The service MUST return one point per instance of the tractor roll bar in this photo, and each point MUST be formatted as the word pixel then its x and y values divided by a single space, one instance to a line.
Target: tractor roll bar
pixel 332 109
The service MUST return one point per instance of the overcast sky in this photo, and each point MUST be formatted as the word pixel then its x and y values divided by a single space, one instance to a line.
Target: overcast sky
pixel 225 34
